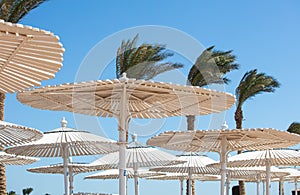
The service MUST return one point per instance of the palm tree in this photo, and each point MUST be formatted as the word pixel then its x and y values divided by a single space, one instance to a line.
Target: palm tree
pixel 294 128
pixel 251 84
pixel 11 193
pixel 210 68
pixel 12 11
pixel 27 191
pixel 143 62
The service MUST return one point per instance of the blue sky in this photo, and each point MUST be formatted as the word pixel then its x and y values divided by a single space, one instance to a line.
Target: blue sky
pixel 262 34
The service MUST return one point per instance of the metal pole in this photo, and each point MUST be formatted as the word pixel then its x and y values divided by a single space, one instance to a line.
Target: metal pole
pixel 189 182
pixel 136 179
pixel 268 178
pixel 223 154
pixel 181 186
pixel 123 117
pixel 227 184
pixel 66 173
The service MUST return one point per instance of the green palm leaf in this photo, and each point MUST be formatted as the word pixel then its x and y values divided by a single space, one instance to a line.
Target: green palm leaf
pixel 294 128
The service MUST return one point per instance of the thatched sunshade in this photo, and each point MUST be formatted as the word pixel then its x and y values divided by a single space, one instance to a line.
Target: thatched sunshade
pixel 126 98
pixel 265 158
pixel 138 155
pixel 11 159
pixel 13 134
pixel 27 56
pixel 223 141
pixel 74 169
pixel 65 142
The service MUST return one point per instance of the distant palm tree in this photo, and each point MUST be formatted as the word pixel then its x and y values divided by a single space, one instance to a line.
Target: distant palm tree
pixel 27 191
pixel 12 11
pixel 210 68
pixel 294 128
pixel 144 61
pixel 251 84
pixel 11 193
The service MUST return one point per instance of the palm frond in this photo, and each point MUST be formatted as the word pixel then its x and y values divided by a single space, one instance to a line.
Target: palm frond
pixel 294 128
pixel 254 83
pixel 211 67
pixel 143 62
pixel 14 10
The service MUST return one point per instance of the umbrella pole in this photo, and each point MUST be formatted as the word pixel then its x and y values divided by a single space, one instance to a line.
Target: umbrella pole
pixel 227 184
pixel 268 177
pixel 264 187
pixel 296 186
pixel 66 174
pixel 123 116
pixel 223 155
pixel 258 184
pixel 181 186
pixel 281 186
pixel 71 180
pixel 136 179
pixel 189 182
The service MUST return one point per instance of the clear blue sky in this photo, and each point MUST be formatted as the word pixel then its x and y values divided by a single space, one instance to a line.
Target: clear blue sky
pixel 263 35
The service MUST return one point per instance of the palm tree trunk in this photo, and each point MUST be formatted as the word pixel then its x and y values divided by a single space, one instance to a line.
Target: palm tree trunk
pixel 193 188
pixel 238 116
pixel 2 167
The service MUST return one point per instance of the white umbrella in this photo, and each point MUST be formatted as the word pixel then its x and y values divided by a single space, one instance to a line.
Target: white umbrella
pixel 12 134
pixel 137 155
pixel 126 98
pixel 265 158
pixel 74 169
pixel 27 56
pixel 195 164
pixel 224 141
pixel 294 175
pixel 65 142
pixel 11 159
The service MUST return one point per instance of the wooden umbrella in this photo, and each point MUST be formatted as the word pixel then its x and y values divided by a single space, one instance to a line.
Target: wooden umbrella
pixel 126 98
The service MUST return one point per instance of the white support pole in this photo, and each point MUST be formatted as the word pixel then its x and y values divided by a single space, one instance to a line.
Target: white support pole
pixel 71 179
pixel 228 185
pixel 136 179
pixel 123 118
pixel 181 186
pixel 268 178
pixel 264 188
pixel 223 154
pixel 66 172
pixel 258 184
pixel 190 182
pixel 296 186
pixel 281 183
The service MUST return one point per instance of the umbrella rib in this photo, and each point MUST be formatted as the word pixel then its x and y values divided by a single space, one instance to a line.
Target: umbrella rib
pixel 13 53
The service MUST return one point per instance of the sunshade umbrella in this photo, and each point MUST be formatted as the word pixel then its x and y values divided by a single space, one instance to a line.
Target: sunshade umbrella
pixel 73 168
pixel 65 142
pixel 13 134
pixel 27 56
pixel 294 175
pixel 126 98
pixel 131 174
pixel 195 164
pixel 11 159
pixel 137 155
pixel 224 141
pixel 183 176
pixel 253 174
pixel 265 158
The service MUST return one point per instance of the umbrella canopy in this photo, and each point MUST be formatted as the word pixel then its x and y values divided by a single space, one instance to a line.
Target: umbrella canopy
pixel 65 142
pixel 224 141
pixel 137 155
pixel 28 55
pixel 126 98
pixel 77 142
pixel 193 164
pixel 12 134
pixel 11 159
pixel 114 174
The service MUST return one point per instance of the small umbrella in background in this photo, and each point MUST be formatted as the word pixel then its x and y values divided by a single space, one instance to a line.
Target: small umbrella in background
pixel 267 158
pixel 194 164
pixel 74 169
pixel 65 142
pixel 127 98
pixel 223 141
pixel 131 174
pixel 11 159
pixel 294 175
pixel 137 155
pixel 184 176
